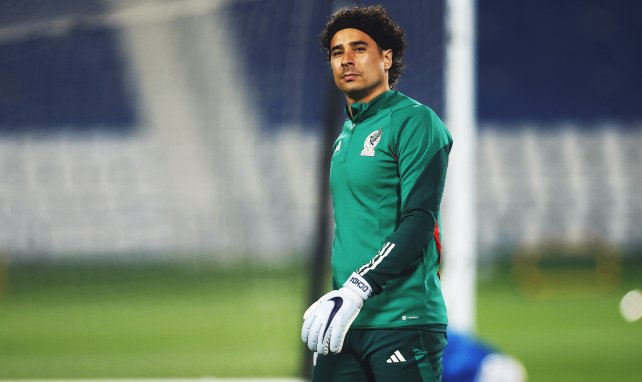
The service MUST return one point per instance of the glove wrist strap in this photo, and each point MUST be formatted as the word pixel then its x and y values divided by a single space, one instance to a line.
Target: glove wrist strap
pixel 359 285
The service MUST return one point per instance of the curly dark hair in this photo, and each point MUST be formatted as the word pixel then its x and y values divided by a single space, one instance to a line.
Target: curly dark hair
pixel 376 23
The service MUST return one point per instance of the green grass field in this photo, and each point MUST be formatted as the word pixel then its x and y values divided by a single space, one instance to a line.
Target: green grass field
pixel 573 335
pixel 192 321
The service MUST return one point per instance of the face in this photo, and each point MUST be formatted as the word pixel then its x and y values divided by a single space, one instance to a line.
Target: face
pixel 359 66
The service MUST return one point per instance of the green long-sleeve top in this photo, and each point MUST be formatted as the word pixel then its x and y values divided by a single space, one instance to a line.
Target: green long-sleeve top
pixel 387 176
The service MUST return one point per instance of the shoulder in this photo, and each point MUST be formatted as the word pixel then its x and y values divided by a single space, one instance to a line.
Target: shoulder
pixel 410 113
pixel 403 107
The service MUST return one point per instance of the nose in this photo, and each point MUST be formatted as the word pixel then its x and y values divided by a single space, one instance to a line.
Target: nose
pixel 347 58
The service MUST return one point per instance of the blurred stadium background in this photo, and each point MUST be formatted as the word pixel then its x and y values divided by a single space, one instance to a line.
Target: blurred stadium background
pixel 159 164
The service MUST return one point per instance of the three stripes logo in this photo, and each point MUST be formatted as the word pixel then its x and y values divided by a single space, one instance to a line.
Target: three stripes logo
pixel 396 357
pixel 372 264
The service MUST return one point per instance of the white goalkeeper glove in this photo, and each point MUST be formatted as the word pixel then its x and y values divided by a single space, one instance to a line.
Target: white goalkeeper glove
pixel 326 322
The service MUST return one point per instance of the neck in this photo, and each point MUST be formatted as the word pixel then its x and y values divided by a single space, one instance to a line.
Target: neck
pixel 365 98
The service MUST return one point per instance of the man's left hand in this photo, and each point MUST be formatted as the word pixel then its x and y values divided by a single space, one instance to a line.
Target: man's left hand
pixel 326 322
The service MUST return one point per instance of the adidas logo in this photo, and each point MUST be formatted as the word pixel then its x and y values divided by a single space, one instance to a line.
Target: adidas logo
pixel 396 357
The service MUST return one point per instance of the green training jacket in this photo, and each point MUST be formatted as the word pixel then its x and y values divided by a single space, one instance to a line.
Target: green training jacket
pixel 387 176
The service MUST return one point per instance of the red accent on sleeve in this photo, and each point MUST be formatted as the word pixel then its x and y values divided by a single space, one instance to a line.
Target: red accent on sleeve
pixel 437 238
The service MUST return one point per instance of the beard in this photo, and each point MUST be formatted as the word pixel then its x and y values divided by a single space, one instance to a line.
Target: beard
pixel 358 92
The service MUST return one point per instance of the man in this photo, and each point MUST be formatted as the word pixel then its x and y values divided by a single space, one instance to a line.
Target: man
pixel 386 320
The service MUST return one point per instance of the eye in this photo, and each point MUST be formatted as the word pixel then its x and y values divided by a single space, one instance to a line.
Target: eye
pixel 360 49
pixel 337 53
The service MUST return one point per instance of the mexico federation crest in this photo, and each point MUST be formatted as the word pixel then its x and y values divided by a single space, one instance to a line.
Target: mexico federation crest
pixel 370 143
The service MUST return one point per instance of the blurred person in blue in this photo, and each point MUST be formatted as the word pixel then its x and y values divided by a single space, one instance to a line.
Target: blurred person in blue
pixel 468 359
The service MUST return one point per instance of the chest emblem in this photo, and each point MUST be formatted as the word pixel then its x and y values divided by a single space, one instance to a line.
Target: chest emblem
pixel 370 143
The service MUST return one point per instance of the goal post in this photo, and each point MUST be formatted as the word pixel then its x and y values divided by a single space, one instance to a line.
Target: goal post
pixel 459 210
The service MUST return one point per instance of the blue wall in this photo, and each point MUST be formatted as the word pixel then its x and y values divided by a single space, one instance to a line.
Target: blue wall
pixel 551 60
pixel 539 61
pixel 73 80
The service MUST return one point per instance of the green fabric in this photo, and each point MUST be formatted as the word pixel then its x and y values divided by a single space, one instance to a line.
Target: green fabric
pixel 408 355
pixel 387 176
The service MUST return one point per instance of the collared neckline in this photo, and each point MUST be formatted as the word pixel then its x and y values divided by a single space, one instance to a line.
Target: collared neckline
pixel 362 110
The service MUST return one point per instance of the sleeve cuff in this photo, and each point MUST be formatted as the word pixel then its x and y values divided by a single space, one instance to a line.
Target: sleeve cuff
pixel 359 285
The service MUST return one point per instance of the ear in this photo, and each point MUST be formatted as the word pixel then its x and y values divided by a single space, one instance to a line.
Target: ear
pixel 387 59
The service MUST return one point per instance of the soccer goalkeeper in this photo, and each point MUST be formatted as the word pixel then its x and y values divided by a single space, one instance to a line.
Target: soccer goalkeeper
pixel 386 319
